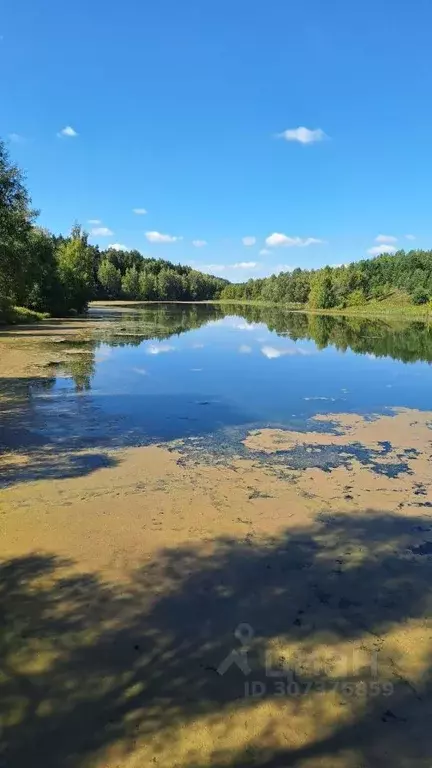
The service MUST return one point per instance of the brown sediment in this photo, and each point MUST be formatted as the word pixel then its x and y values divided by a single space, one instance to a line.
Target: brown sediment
pixel 122 589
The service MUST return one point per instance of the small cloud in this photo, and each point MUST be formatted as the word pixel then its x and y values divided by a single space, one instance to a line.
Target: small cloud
pixel 384 248
pixel 245 326
pixel 141 371
pixel 199 243
pixel 248 240
pixel 265 252
pixel 278 239
pixel 158 349
pixel 16 138
pixel 95 222
pixel 118 247
pixel 386 239
pixel 198 346
pixel 283 268
pixel 214 267
pixel 157 237
pixel 197 370
pixel 101 232
pixel 303 135
pixel 245 265
pixel 139 211
pixel 68 131
pixel 272 352
pixel 245 350
pixel 410 237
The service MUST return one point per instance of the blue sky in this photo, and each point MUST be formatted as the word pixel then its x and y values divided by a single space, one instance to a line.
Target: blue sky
pixel 190 110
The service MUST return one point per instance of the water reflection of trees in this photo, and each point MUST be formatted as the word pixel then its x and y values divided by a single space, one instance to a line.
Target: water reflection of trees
pixel 407 342
pixel 159 322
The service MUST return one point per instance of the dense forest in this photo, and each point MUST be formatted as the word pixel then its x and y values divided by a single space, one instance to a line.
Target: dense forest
pixel 60 275
pixel 348 285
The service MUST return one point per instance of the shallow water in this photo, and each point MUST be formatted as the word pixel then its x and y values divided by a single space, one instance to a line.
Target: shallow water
pixel 171 372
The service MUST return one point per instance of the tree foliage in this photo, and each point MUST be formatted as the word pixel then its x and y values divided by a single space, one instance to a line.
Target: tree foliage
pixel 347 285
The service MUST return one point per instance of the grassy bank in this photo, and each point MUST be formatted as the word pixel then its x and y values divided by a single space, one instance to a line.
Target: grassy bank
pixel 20 315
pixel 374 308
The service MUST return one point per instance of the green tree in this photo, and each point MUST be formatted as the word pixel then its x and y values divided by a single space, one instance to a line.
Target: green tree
pixel 321 294
pixel 43 290
pixel 131 283
pixel 110 279
pixel 147 286
pixel 16 219
pixel 76 267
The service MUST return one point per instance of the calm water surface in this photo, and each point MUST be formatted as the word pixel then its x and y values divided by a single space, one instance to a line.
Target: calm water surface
pixel 192 371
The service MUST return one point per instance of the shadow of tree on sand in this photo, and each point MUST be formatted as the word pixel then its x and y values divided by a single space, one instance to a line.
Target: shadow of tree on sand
pixel 88 665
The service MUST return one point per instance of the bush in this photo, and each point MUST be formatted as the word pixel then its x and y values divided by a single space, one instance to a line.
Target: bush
pixel 356 299
pixel 420 296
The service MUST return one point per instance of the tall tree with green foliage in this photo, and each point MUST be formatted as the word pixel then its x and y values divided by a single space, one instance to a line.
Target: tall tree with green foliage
pixel 16 218
pixel 110 279
pixel 131 283
pixel 321 294
pixel 76 270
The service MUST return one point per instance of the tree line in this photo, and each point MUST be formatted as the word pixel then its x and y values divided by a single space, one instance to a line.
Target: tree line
pixel 60 275
pixel 344 286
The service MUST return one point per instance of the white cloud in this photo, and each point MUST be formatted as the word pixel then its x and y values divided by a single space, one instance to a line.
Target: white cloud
pixel 303 135
pixel 199 243
pixel 265 252
pixel 245 326
pixel 139 211
pixel 410 237
pixel 68 131
pixel 214 267
pixel 386 239
pixel 272 352
pixel 16 138
pixel 157 237
pixel 245 265
pixel 158 349
pixel 101 232
pixel 278 239
pixel 118 247
pixel 95 222
pixel 245 350
pixel 283 268
pixel 141 371
pixel 377 249
pixel 198 346
pixel 249 240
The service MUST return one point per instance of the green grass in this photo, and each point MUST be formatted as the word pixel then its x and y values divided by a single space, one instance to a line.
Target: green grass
pixel 20 315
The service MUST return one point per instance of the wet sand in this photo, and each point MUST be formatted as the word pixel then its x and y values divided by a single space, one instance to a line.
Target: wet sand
pixel 122 590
